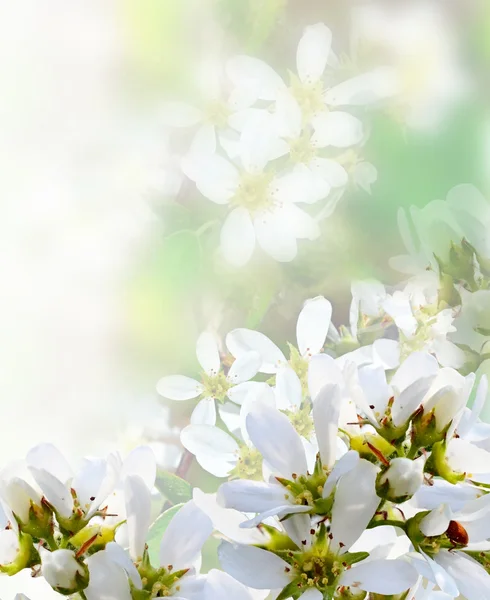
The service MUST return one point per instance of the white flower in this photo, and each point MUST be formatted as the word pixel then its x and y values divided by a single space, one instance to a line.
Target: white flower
pixel 92 484
pixel 312 56
pixel 285 454
pixel 312 327
pixel 221 454
pixel 319 557
pixel 263 205
pixel 421 44
pixel 63 571
pixel 215 387
pixel 216 113
pixel 398 400
pixel 429 231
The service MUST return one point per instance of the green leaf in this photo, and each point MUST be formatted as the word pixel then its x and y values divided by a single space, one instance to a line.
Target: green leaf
pixel 157 530
pixel 173 487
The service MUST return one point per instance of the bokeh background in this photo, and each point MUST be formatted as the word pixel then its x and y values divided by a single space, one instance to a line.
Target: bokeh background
pixel 108 275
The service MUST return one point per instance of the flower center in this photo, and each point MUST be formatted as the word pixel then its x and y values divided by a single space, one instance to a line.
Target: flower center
pixel 301 150
pixel 217 114
pixel 301 420
pixel 215 386
pixel 309 96
pixel 254 192
pixel 299 364
pixel 249 465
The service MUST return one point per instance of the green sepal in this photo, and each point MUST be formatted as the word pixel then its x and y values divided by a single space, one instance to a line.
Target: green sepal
pixel 438 465
pixel 351 558
pixel 27 556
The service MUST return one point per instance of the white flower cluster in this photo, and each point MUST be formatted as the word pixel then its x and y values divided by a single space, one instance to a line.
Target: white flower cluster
pixel 264 146
pixel 321 450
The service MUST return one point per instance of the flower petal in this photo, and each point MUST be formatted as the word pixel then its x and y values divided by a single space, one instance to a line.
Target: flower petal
pixel 339 129
pixel 345 464
pixel 276 439
pixel 179 387
pixel 472 580
pixel 213 448
pixel 204 413
pixel 240 341
pixel 207 353
pixel 326 411
pixel 354 505
pixel 364 89
pixel 381 576
pixel 257 568
pixel 312 325
pixel 184 537
pixel 288 390
pixel 255 75
pixel 244 367
pixel 252 496
pixel 238 237
pixel 239 393
pixel 334 173
pixel 138 511
pixel 274 239
pixel 313 51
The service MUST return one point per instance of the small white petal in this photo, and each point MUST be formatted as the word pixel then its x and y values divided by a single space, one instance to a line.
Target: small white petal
pixel 254 567
pixel 204 413
pixel 472 580
pixel 274 239
pixel 464 457
pixel 204 142
pixel 238 237
pixel 331 171
pixel 138 510
pixel 240 341
pixel 288 390
pixel 437 521
pixel 184 537
pixel 254 75
pixel 381 576
pixel 257 142
pixel 245 367
pixel 287 115
pixel 313 324
pixel 252 496
pixel 326 411
pixel 354 505
pixel 276 439
pixel 338 129
pixel 364 89
pixel 215 450
pixel 179 387
pixel 345 464
pixel 207 353
pixel 313 51
pixel 239 393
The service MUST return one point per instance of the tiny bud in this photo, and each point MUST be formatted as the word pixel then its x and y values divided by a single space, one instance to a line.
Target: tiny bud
pixel 401 479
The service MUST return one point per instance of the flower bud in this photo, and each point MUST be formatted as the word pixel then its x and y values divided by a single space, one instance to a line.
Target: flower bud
pixel 401 479
pixel 63 571
pixel 16 551
pixel 33 515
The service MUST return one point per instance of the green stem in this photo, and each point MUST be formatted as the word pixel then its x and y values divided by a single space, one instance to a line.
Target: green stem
pixel 392 522
pixel 51 543
pixel 412 453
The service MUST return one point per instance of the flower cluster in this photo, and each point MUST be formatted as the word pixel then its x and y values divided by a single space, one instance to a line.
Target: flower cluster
pixel 264 146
